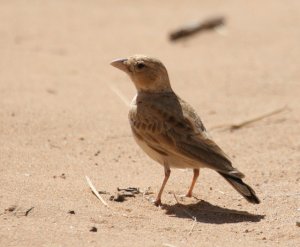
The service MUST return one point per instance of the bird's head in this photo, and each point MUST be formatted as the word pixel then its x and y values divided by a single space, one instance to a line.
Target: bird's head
pixel 147 73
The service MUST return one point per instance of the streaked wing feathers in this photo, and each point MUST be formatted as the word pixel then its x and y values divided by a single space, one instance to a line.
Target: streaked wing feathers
pixel 181 133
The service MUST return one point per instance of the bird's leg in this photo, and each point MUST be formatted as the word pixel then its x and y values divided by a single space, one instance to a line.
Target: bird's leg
pixel 196 175
pixel 167 175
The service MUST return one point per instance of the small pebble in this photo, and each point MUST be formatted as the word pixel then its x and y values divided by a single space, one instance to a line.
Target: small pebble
pixel 117 198
pixel 93 229
pixel 11 208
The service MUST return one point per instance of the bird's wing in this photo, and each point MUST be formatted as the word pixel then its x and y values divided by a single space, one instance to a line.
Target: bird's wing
pixel 183 135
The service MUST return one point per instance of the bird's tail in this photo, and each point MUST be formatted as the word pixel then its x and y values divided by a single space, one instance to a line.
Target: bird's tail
pixel 245 190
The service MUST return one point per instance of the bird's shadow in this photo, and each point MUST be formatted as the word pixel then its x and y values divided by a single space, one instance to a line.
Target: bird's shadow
pixel 205 212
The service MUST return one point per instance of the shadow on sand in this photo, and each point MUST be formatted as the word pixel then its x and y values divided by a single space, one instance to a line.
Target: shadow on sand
pixel 208 213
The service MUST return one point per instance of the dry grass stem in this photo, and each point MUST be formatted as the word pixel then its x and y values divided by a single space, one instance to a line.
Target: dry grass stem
pixel 189 214
pixel 119 94
pixel 193 226
pixel 233 127
pixel 95 191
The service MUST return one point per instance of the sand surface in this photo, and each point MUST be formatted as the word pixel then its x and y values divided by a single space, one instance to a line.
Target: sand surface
pixel 61 119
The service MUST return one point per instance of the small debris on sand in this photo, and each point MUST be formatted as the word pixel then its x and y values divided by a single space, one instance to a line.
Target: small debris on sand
pixel 28 211
pixel 117 198
pixel 63 176
pixel 18 211
pixel 129 190
pixel 93 229
pixel 122 193
pixel 11 208
pixel 103 192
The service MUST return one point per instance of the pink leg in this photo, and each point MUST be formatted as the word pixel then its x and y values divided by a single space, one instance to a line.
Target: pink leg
pixel 167 175
pixel 196 175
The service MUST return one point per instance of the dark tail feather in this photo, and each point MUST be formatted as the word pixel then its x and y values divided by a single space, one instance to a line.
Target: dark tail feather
pixel 244 189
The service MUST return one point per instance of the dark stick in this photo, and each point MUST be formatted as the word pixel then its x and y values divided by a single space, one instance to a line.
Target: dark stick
pixel 191 29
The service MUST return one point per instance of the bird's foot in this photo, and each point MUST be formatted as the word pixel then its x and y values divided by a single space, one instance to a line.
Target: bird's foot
pixel 189 194
pixel 185 195
pixel 157 202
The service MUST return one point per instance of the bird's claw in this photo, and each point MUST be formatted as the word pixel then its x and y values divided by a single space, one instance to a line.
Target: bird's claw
pixel 157 203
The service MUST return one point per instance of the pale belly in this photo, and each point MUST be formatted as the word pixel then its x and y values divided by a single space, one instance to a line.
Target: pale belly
pixel 172 161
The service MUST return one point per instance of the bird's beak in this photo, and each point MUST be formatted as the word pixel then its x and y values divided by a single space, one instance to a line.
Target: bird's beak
pixel 120 64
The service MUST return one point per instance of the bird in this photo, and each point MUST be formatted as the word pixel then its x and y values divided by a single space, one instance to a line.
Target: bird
pixel 170 131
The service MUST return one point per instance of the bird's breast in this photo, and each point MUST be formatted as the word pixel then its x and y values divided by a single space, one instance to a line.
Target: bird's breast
pixel 142 120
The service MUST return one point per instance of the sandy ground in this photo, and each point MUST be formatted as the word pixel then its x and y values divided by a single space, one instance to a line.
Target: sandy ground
pixel 61 120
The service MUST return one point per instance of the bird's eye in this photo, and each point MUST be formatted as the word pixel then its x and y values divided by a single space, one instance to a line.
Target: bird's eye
pixel 140 65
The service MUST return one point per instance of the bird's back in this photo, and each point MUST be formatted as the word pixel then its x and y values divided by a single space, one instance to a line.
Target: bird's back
pixel 169 124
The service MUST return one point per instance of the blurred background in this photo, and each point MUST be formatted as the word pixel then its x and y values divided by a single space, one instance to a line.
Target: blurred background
pixel 61 113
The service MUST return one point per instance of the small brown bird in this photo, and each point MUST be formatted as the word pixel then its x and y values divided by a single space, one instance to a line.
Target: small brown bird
pixel 169 130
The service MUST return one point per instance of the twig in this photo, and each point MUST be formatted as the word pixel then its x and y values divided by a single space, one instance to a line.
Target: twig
pixel 193 28
pixel 233 127
pixel 119 94
pixel 192 228
pixel 189 214
pixel 28 211
pixel 95 191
